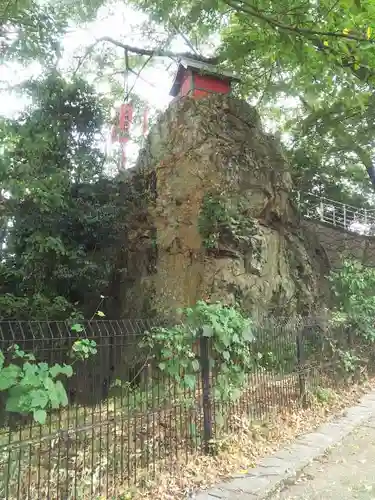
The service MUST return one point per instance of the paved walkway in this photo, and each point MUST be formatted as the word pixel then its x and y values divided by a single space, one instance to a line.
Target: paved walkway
pixel 336 462
pixel 346 472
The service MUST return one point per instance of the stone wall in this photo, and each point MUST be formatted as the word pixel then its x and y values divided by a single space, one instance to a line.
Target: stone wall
pixel 338 243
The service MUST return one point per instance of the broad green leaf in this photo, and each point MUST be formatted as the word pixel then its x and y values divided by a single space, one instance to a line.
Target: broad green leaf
pixel 248 334
pixel 57 369
pixel 195 365
pixel 40 416
pixel 190 381
pixel 19 400
pixel 39 398
pixel 43 368
pixel 9 376
pixel 61 393
pixel 226 355
pixel 31 380
pixel 207 331
pixel 13 405
pixel 77 328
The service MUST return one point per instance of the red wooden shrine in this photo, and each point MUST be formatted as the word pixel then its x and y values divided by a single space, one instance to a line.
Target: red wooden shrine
pixel 199 79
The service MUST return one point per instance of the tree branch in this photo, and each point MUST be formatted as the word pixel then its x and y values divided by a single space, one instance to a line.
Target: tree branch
pixel 346 141
pixel 185 38
pixel 157 52
pixel 362 72
pixel 249 9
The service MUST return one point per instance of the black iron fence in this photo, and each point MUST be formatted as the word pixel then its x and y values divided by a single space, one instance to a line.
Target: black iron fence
pixel 126 419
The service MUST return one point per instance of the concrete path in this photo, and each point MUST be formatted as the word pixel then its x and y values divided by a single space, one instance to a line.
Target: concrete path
pixel 346 472
pixel 335 462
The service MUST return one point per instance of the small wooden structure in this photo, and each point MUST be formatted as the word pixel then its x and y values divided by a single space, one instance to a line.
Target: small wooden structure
pixel 199 79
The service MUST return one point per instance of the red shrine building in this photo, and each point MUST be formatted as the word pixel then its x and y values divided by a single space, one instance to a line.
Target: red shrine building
pixel 199 79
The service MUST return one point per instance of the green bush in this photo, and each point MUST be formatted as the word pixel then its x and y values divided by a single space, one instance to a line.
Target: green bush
pixel 230 337
pixel 35 387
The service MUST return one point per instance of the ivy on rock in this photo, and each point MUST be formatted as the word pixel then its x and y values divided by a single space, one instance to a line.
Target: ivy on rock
pixel 226 221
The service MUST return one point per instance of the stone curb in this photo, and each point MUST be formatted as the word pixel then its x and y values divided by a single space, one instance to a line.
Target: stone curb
pixel 284 466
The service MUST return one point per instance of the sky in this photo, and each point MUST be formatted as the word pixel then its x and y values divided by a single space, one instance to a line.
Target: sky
pixel 124 25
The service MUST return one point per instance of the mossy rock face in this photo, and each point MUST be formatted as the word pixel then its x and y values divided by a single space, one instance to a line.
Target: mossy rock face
pixel 218 217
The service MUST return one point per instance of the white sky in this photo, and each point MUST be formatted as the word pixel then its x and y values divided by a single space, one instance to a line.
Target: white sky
pixel 123 25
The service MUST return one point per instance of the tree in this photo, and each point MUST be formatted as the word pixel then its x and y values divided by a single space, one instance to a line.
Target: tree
pixel 33 29
pixel 58 209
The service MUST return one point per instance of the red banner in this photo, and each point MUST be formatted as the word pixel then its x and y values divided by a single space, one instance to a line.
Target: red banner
pixel 125 117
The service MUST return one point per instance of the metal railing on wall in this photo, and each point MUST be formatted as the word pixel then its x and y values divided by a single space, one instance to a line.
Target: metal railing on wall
pixel 337 214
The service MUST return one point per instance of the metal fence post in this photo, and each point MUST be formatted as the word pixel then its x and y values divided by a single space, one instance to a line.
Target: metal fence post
pixel 206 393
pixel 299 200
pixel 321 207
pixel 301 365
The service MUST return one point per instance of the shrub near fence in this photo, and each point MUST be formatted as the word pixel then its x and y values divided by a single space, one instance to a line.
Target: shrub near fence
pixel 128 415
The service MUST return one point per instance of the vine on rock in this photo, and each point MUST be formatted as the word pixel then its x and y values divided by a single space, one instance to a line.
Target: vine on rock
pixel 225 221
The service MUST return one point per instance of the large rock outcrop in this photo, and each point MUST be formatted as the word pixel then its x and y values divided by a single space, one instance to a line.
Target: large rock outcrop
pixel 215 218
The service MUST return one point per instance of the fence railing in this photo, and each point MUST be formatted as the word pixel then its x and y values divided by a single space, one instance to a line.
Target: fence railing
pixel 352 219
pixel 126 421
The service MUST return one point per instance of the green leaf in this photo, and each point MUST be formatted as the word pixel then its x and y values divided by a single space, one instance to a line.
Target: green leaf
pixel 43 367
pixel 248 334
pixel 39 398
pixel 13 405
pixel 40 416
pixel 77 327
pixel 236 394
pixel 225 339
pixel 207 331
pixel 190 381
pixel 195 365
pixel 9 376
pixel 30 380
pixel 54 397
pixel 61 393
pixel 19 400
pixel 100 314
pixel 2 360
pixel 57 369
